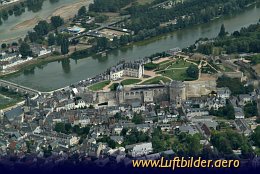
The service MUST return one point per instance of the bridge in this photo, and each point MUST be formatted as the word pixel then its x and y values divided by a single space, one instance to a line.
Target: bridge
pixel 19 88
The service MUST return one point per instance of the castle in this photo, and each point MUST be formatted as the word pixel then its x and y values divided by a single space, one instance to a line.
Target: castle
pixel 135 69
pixel 174 92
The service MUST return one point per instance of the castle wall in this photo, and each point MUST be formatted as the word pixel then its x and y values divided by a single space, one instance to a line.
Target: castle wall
pixel 200 88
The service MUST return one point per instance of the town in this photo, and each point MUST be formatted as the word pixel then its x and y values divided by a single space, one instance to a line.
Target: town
pixel 201 101
pixel 125 112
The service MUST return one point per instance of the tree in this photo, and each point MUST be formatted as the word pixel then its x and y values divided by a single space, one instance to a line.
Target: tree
pixel 193 72
pixel 33 36
pixel 56 21
pixel 42 28
pixel 68 128
pixel 250 109
pixel 3 46
pixel 64 45
pixel 226 111
pixel 138 119
pixel 102 43
pixel 59 127
pixel 25 50
pixel 82 11
pixel 256 136
pixel 51 39
pixel 222 32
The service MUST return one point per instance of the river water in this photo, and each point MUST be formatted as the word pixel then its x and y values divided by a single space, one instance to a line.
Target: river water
pixel 59 74
pixel 47 9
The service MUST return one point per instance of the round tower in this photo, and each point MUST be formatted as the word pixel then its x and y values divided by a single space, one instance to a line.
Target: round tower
pixel 177 91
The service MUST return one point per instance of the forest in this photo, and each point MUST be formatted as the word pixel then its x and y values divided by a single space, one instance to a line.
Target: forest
pixel 247 40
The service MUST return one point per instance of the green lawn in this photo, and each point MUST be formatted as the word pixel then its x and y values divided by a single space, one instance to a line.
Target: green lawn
pixel 207 69
pixel 254 59
pixel 145 1
pixel 180 64
pixel 130 81
pixel 99 86
pixel 150 66
pixel 177 74
pixel 165 64
pixel 156 80
pixel 225 68
pixel 9 98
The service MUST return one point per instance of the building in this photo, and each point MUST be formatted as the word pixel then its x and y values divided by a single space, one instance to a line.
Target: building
pixel 135 70
pixel 139 149
pixel 75 30
pixel 223 93
pixel 239 113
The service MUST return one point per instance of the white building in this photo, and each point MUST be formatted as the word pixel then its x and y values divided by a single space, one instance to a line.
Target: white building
pixel 135 70
pixel 140 149
pixel 239 113
pixel 223 93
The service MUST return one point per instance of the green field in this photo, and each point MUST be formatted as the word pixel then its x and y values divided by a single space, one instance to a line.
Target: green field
pixel 225 68
pixel 156 80
pixel 208 69
pixel 99 86
pixel 177 74
pixel 130 81
pixel 254 59
pixel 9 98
pixel 180 64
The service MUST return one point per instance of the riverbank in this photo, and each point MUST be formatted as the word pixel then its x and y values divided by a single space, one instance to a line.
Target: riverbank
pixel 32 63
pixel 11 4
pixel 66 12
pixel 13 29
pixel 69 11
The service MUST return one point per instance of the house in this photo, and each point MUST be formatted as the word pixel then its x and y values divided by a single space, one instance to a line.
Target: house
pixel 139 149
pixel 190 129
pixel 244 98
pixel 215 103
pixel 196 112
pixel 243 127
pixel 117 139
pixel 15 115
pixel 70 104
pixel 84 120
pixel 80 104
pixel 137 107
pixel 223 93
pixel 239 113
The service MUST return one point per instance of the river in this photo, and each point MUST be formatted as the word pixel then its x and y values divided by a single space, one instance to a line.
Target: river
pixel 7 31
pixel 58 74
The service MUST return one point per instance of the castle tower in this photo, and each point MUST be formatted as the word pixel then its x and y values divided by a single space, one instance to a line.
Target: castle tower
pixel 177 92
pixel 120 94
pixel 1 117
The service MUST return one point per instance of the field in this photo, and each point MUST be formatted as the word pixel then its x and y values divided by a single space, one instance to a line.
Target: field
pixel 176 70
pixel 112 33
pixel 130 81
pixel 156 80
pixel 99 86
pixel 8 98
pixel 145 1
pixel 177 74
pixel 180 64
pixel 225 68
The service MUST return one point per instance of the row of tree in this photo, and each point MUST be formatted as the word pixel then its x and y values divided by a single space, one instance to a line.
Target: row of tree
pixel 43 28
pixel 247 40
pixel 186 13
pixel 108 6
